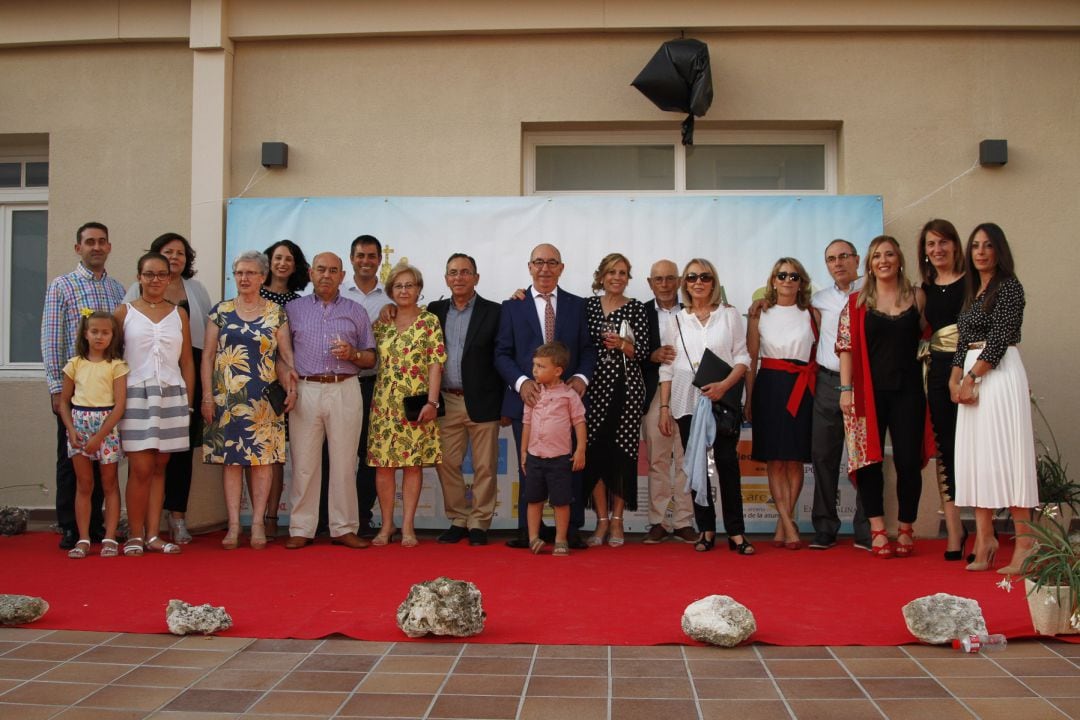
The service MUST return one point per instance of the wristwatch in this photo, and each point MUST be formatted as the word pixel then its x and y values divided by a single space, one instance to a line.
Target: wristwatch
pixel 433 403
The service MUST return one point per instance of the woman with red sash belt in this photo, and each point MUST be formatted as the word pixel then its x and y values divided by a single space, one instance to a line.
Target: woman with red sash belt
pixel 881 390
pixel 780 393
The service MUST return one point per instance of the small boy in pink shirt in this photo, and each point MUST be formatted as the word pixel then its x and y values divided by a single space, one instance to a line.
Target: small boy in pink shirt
pixel 546 444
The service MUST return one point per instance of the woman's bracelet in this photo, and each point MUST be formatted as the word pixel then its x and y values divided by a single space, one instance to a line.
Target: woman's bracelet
pixel 845 388
pixel 208 402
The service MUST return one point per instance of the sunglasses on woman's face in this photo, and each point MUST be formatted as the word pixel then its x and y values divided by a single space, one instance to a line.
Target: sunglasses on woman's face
pixel 792 276
pixel 692 278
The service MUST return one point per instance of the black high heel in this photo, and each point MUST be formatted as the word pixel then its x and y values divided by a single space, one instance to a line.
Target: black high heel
pixel 743 548
pixel 955 555
pixel 971 556
pixel 704 544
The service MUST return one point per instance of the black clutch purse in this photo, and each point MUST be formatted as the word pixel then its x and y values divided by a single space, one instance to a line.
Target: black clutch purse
pixel 728 409
pixel 415 403
pixel 275 395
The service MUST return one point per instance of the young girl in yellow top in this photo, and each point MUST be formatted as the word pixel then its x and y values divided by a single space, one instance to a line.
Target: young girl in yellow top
pixel 91 404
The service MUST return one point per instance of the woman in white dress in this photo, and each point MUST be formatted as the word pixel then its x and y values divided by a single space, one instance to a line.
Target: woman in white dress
pixel 995 444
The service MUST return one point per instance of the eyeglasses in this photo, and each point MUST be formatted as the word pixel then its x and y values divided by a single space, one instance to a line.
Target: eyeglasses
pixel 402 286
pixel 551 264
pixel 150 276
pixel 663 278
pixel 830 259
pixel 245 273
pixel 792 276
pixel 465 272
pixel 692 278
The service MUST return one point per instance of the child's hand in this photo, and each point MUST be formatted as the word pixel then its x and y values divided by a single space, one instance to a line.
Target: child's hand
pixel 75 441
pixel 92 445
pixel 579 459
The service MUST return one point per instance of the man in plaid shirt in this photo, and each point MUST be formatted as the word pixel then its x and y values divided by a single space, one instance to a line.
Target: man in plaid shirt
pixel 88 286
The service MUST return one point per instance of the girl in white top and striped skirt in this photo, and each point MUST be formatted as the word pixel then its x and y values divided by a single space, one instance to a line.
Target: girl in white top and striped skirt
pixel 157 348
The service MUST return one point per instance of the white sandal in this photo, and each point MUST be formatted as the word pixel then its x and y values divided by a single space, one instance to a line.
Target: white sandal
pixel 109 548
pixel 167 548
pixel 81 550
pixel 134 547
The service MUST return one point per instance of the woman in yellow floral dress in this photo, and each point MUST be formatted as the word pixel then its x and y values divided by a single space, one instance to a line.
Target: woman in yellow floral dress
pixel 243 338
pixel 411 356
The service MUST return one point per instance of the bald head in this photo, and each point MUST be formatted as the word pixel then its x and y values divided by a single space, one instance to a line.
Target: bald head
pixel 664 282
pixel 545 267
pixel 326 275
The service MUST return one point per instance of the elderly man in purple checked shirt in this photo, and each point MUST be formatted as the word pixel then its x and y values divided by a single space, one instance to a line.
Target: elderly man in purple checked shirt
pixel 332 340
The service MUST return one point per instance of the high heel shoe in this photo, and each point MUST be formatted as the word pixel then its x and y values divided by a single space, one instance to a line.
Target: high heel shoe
pixel 178 530
pixel 231 541
pixel 597 538
pixel 971 555
pixel 975 566
pixel 882 552
pixel 743 548
pixel 704 544
pixel 258 537
pixel 616 540
pixel 902 550
pixel 1017 562
pixel 955 555
pixel 385 536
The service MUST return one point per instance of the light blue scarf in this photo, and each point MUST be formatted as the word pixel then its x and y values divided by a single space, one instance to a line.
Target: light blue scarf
pixel 695 457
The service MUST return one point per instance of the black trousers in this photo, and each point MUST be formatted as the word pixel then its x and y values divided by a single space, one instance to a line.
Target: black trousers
pixel 66 486
pixel 902 413
pixel 726 457
pixel 826 450
pixel 943 417
pixel 178 471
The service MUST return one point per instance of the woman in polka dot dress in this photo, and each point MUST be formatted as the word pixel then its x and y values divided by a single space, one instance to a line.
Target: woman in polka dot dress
pixel 619 327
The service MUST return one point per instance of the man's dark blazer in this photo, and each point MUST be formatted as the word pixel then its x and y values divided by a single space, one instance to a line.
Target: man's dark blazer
pixel 520 334
pixel 651 369
pixel 481 382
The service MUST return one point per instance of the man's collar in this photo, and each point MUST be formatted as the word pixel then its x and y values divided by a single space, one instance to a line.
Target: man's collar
pixel 536 293
pixel 88 273
pixel 468 303
pixel 331 301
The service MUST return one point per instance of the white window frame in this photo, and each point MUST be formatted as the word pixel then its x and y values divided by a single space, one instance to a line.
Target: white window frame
pixel 532 140
pixel 13 200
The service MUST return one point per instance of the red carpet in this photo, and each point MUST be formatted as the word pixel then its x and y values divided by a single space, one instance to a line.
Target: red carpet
pixel 633 595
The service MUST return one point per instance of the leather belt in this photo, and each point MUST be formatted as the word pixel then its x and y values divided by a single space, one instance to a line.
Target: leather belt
pixel 327 378
pixel 451 391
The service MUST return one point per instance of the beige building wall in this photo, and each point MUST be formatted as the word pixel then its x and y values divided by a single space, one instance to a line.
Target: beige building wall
pixel 393 107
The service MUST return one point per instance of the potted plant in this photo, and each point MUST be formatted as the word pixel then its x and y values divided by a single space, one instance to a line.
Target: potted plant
pixel 1059 496
pixel 1052 578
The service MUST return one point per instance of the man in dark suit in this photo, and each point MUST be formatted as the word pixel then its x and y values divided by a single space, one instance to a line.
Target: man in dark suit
pixel 546 313
pixel 663 489
pixel 473 392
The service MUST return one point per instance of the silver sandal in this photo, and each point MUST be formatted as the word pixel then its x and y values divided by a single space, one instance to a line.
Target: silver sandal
pixel 109 548
pixel 178 530
pixel 134 547
pixel 166 548
pixel 81 550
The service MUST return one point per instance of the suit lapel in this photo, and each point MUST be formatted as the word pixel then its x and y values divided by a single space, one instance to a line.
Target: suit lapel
pixel 532 317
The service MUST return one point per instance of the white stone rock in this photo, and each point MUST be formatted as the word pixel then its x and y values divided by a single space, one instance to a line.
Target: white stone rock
pixel 184 619
pixel 442 606
pixel 718 620
pixel 21 609
pixel 941 618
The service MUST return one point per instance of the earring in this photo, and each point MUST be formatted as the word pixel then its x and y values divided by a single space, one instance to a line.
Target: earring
pixel 927 258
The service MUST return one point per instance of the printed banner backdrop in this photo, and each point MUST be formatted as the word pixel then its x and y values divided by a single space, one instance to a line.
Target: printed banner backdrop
pixel 741 235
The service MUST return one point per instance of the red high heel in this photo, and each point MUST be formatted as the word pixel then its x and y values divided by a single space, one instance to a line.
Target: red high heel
pixel 883 552
pixel 903 551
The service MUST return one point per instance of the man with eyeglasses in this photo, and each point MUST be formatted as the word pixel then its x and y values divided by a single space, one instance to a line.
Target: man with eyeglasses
pixel 663 490
pixel 827 440
pixel 332 341
pixel 90 287
pixel 546 313
pixel 473 392
pixel 365 254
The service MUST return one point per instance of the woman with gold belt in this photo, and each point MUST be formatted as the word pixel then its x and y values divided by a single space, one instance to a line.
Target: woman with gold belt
pixel 941 264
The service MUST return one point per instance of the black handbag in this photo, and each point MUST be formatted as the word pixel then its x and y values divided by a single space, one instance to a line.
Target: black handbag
pixel 727 411
pixel 415 403
pixel 275 395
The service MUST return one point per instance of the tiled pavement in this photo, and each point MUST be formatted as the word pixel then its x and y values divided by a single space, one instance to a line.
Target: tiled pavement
pixel 84 676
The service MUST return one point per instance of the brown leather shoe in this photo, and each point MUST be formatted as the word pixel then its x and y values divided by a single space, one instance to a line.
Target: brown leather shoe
pixel 686 534
pixel 657 534
pixel 351 540
pixel 295 542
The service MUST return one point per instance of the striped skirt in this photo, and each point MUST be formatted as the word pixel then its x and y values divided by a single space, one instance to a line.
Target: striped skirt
pixel 155 418
pixel 995 443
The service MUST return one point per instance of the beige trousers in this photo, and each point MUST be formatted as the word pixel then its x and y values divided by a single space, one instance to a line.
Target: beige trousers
pixel 662 488
pixel 457 431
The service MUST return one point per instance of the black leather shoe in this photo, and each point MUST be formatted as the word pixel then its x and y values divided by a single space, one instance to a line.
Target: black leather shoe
pixel 477 536
pixel 366 531
pixel 453 535
pixel 576 543
pixel 68 538
pixel 520 542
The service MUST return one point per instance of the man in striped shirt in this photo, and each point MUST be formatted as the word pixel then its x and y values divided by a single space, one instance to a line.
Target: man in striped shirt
pixel 88 286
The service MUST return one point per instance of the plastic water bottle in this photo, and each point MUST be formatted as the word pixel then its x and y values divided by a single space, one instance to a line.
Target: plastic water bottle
pixel 975 643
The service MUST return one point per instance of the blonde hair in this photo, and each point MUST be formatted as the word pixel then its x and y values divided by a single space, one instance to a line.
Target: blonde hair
pixel 802 299
pixel 400 269
pixel 714 298
pixel 606 264
pixel 868 294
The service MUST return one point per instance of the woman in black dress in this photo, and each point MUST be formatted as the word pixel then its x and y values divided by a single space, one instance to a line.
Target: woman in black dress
pixel 289 274
pixel 619 327
pixel 941 264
